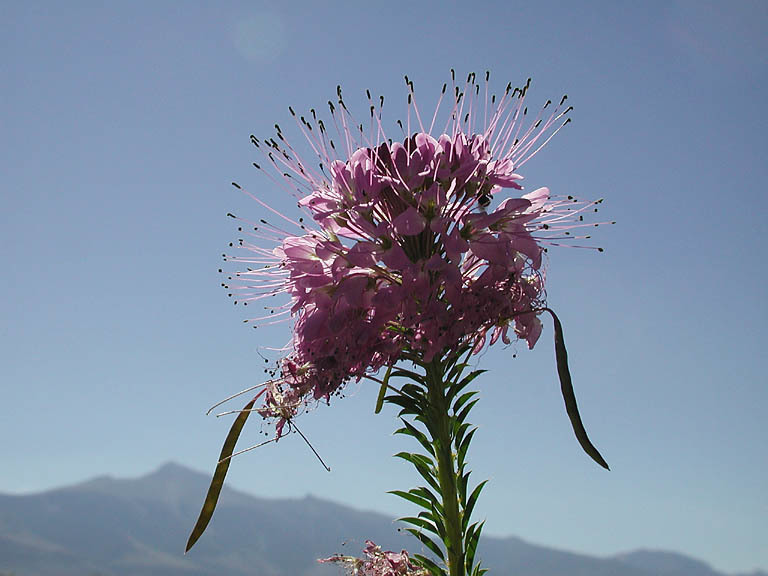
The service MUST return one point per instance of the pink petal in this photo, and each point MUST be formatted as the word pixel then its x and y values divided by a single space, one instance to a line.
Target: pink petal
pixel 410 222
pixel 537 198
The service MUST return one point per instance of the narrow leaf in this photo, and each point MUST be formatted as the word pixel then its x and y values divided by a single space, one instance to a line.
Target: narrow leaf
pixel 402 373
pixel 469 377
pixel 461 452
pixel 411 430
pixel 412 391
pixel 425 562
pixel 455 371
pixel 212 498
pixel 473 536
pixel 459 430
pixel 416 459
pixel 437 519
pixel 566 386
pixel 425 471
pixel 418 500
pixel 462 482
pixel 383 390
pixel 408 405
pixel 428 542
pixel 420 523
pixel 457 387
pixel 461 416
pixel 462 400
pixel 471 503
pixel 428 494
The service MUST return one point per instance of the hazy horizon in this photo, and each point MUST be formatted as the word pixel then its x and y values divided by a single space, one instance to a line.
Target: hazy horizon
pixel 164 468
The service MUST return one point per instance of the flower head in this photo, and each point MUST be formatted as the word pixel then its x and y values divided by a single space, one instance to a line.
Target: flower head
pixel 376 562
pixel 417 246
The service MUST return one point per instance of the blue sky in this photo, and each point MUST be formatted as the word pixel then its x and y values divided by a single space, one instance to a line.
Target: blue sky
pixel 123 125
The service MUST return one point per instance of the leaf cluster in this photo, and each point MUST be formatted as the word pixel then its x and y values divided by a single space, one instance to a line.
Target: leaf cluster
pixel 426 421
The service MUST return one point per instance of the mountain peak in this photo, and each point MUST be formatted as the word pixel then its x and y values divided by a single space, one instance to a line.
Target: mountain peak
pixel 665 563
pixel 171 471
pixel 139 525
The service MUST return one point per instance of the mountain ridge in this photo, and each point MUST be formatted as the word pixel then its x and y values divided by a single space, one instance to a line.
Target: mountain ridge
pixel 111 526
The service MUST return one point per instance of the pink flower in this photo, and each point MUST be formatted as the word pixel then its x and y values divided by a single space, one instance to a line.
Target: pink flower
pixel 415 249
pixel 376 562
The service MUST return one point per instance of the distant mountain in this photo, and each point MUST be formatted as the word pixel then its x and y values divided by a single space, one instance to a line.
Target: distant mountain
pixel 138 527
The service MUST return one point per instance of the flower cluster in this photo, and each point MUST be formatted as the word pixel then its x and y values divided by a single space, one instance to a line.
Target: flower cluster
pixel 411 253
pixel 377 563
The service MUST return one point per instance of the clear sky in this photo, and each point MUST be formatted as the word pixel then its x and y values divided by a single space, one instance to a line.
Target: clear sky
pixel 122 125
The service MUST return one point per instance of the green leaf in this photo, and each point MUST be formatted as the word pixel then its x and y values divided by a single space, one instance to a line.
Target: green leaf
pixel 462 482
pixel 425 470
pixel 414 498
pixel 459 430
pixel 431 423
pixel 461 452
pixel 566 387
pixel 471 503
pixel 463 400
pixel 420 523
pixel 437 519
pixel 455 371
pixel 413 391
pixel 461 416
pixel 408 405
pixel 416 459
pixel 428 542
pixel 473 537
pixel 425 562
pixel 425 492
pixel 212 498
pixel 383 390
pixel 457 387
pixel 402 373
pixel 471 376
pixel 410 430
pixel 456 362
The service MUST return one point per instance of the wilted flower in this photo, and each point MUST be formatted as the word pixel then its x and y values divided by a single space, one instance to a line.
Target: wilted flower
pixel 415 248
pixel 377 563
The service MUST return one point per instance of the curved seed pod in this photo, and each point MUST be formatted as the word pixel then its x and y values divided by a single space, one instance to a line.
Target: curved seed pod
pixel 566 387
pixel 212 498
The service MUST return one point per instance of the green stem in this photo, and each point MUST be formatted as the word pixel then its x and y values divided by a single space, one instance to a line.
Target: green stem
pixel 442 440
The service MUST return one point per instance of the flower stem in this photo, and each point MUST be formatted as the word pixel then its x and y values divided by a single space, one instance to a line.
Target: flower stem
pixel 441 428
